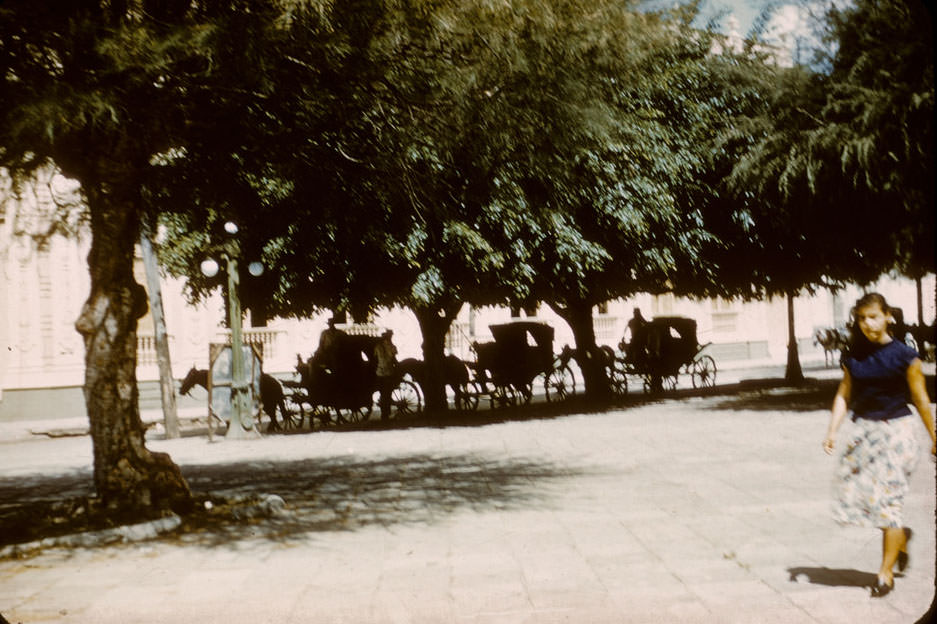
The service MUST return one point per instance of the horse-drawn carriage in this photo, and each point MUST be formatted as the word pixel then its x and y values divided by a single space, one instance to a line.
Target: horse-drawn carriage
pixel 660 351
pixel 342 381
pixel 505 370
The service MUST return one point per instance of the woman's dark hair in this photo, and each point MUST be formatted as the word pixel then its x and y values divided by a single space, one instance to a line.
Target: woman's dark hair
pixel 859 345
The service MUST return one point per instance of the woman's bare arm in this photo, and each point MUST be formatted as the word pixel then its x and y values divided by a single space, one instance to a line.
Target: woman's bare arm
pixel 840 407
pixel 918 387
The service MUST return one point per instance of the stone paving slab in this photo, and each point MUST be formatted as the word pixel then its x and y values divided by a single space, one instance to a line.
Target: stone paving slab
pixel 679 511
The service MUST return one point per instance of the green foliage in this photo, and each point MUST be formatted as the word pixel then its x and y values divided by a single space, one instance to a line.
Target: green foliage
pixel 421 152
pixel 832 177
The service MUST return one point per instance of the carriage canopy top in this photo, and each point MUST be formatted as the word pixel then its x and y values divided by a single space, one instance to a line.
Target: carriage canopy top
pixel 685 327
pixel 514 335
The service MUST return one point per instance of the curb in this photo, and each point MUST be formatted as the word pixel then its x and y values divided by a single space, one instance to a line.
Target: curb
pixel 127 533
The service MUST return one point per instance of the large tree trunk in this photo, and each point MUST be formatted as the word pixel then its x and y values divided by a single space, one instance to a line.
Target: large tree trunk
pixel 793 373
pixel 127 476
pixel 578 315
pixel 434 327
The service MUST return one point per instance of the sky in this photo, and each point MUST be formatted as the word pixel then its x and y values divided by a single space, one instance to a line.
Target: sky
pixel 744 10
pixel 786 17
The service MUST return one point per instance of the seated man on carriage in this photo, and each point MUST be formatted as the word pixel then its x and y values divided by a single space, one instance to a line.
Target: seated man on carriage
pixel 637 331
pixel 326 353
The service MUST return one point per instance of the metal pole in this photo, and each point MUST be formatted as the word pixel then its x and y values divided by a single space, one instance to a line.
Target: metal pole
pixel 242 420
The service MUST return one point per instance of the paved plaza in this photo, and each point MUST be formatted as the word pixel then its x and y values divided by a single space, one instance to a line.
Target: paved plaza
pixel 689 509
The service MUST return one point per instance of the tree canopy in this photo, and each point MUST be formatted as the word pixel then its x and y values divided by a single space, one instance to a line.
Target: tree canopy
pixel 835 173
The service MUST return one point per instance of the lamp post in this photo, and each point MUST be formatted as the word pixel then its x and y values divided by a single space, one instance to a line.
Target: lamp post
pixel 242 421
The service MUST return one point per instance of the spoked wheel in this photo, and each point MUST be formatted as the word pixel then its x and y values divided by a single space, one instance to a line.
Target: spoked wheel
pixel 618 380
pixel 292 419
pixel 359 414
pixel 406 398
pixel 322 414
pixel 524 393
pixel 293 415
pixel 560 383
pixel 704 372
pixel 503 396
pixel 469 399
pixel 667 383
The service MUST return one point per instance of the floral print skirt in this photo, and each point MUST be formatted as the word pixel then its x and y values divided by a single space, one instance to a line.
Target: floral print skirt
pixel 873 473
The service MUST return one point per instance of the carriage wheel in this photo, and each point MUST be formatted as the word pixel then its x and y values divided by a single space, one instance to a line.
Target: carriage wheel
pixel 321 413
pixel 470 393
pixel 560 383
pixel 503 396
pixel 524 393
pixel 359 414
pixel 647 383
pixel 618 380
pixel 292 418
pixel 406 398
pixel 704 372
pixel 667 383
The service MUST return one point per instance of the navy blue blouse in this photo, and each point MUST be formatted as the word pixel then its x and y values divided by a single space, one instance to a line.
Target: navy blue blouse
pixel 879 382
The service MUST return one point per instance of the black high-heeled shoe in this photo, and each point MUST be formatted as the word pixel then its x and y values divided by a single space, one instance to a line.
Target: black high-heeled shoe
pixel 881 589
pixel 904 559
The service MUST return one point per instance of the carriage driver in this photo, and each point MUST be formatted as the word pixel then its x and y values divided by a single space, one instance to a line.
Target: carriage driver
pixel 325 353
pixel 386 354
pixel 637 327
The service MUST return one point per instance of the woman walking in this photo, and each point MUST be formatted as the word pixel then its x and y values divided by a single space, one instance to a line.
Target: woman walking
pixel 881 376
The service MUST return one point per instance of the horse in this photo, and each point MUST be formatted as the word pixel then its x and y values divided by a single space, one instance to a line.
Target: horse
pixel 455 373
pixel 832 340
pixel 271 392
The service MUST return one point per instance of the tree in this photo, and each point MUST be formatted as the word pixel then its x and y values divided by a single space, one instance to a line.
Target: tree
pixel 476 153
pixel 155 293
pixel 612 199
pixel 879 118
pixel 841 143
pixel 105 91
pixel 782 229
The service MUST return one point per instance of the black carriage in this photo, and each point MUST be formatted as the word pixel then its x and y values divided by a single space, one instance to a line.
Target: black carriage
pixel 659 352
pixel 505 370
pixel 342 382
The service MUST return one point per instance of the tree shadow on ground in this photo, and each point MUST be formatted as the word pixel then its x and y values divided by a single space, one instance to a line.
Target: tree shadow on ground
pixel 807 397
pixel 775 394
pixel 348 493
pixel 324 495
pixel 833 577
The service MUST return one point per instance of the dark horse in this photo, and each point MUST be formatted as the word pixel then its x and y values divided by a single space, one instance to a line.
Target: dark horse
pixel 455 374
pixel 271 392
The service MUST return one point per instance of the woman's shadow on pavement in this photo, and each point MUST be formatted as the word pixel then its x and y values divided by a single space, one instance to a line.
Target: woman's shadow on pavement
pixel 834 577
